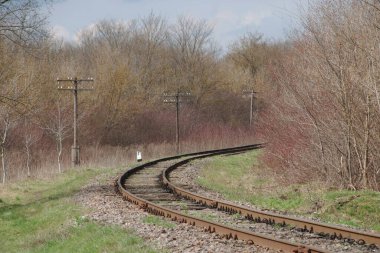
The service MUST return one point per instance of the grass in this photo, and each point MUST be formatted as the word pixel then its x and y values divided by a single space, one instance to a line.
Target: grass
pixel 358 209
pixel 158 221
pixel 241 178
pixel 40 216
pixel 206 216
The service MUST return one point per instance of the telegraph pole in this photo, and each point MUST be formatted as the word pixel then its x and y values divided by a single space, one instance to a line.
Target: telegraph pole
pixel 75 158
pixel 177 122
pixel 176 98
pixel 250 93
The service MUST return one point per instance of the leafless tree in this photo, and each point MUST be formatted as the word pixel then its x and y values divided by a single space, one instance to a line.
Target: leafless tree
pixel 249 53
pixel 21 21
pixel 149 52
pixel 192 56
pixel 31 135
pixel 328 96
pixel 4 137
pixel 58 123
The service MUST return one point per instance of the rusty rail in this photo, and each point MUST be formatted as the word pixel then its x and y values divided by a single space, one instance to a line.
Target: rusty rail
pixel 225 231
pixel 323 229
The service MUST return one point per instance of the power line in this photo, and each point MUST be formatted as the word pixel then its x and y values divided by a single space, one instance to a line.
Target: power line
pixel 75 158
pixel 177 98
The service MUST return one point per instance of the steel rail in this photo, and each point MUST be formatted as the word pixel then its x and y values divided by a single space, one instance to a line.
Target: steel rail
pixel 326 230
pixel 225 231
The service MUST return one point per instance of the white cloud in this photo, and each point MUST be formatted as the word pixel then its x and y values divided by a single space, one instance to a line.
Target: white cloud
pixel 223 20
pixel 91 29
pixel 225 16
pixel 88 30
pixel 253 18
pixel 60 32
pixel 231 24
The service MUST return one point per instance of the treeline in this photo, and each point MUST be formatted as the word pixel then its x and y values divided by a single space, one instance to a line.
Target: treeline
pixel 317 102
pixel 133 65
pixel 323 121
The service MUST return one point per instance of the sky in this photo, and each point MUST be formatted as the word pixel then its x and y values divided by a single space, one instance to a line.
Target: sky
pixel 231 19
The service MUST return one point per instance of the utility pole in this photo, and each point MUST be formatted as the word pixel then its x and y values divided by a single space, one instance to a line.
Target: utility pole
pixel 250 93
pixel 75 158
pixel 176 99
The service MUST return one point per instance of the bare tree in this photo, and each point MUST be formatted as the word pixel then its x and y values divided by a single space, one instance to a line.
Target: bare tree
pixel 58 123
pixel 16 91
pixel 31 135
pixel 21 21
pixel 192 56
pixel 150 54
pixel 249 53
pixel 4 138
pixel 328 97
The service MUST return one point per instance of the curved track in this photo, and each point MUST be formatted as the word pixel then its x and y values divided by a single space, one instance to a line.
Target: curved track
pixel 148 186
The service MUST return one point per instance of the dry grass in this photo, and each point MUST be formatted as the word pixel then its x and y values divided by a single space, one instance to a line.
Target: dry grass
pixel 44 163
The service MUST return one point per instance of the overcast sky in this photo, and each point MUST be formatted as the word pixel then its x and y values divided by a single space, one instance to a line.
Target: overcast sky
pixel 230 18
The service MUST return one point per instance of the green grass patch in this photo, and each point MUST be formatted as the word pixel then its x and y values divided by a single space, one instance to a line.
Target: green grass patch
pixel 91 237
pixel 355 208
pixel 240 177
pixel 204 215
pixel 158 221
pixel 40 216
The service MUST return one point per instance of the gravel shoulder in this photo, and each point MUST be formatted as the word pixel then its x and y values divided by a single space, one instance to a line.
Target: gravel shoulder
pixel 107 207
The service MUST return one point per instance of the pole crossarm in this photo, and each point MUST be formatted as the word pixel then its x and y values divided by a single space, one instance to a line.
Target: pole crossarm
pixel 249 92
pixel 75 82
pixel 180 97
pixel 179 93
pixel 74 88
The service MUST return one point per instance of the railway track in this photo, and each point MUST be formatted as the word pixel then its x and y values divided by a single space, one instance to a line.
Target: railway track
pixel 149 186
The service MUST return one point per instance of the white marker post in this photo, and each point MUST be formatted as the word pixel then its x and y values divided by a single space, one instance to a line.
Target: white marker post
pixel 138 156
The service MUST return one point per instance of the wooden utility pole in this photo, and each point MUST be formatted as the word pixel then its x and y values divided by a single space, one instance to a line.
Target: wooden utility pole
pixel 250 93
pixel 177 98
pixel 75 156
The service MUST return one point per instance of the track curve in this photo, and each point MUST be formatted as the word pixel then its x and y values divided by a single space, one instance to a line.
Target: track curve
pixel 148 186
